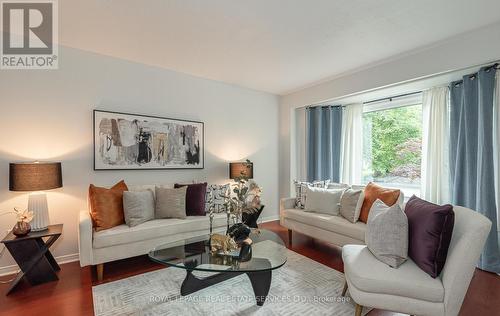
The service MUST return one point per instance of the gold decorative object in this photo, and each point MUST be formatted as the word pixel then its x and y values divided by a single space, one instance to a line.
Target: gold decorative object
pixel 222 243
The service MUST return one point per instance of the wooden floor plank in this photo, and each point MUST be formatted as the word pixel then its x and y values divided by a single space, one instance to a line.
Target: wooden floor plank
pixel 72 294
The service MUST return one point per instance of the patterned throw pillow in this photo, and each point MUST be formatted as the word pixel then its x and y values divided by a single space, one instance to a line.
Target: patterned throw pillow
pixel 301 189
pixel 216 197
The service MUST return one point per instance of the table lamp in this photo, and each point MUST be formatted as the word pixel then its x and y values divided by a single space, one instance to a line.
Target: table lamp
pixel 241 170
pixel 35 177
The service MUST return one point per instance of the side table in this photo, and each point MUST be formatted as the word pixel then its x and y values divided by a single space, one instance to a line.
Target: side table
pixel 32 255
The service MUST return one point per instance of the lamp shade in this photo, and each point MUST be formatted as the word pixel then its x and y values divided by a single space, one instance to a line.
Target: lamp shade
pixel 241 170
pixel 35 176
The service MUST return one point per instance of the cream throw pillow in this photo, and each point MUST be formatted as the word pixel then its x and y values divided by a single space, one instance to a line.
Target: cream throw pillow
pixel 386 233
pixel 323 201
pixel 170 203
pixel 301 190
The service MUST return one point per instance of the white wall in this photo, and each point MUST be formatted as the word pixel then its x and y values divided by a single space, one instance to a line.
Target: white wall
pixel 469 49
pixel 47 115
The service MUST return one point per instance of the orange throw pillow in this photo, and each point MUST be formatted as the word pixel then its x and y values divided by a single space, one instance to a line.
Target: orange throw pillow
pixel 374 192
pixel 106 206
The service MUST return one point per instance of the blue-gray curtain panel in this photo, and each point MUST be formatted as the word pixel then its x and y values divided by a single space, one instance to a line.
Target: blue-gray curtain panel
pixel 471 153
pixel 324 129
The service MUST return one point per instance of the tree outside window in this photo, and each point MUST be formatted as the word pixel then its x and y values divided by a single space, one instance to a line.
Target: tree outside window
pixel 392 148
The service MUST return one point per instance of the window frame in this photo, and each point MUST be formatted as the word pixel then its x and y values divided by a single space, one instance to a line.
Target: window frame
pixel 388 104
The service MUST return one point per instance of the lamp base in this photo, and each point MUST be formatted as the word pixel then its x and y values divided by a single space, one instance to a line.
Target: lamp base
pixel 37 203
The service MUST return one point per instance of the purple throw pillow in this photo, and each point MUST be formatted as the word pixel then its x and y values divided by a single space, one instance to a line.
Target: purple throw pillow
pixel 195 198
pixel 429 228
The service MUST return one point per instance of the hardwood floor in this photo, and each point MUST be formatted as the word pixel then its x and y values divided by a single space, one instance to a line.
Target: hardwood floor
pixel 72 294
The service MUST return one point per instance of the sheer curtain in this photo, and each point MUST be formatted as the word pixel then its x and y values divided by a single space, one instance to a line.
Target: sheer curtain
pixel 471 153
pixel 300 145
pixel 324 128
pixel 352 144
pixel 435 152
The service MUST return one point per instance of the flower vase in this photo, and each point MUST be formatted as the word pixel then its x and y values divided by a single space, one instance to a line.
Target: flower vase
pixel 21 229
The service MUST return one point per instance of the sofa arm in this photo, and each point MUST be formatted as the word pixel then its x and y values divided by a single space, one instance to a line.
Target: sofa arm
pixel 85 238
pixel 287 203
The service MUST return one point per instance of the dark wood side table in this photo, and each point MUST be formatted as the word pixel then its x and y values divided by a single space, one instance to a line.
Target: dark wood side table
pixel 32 255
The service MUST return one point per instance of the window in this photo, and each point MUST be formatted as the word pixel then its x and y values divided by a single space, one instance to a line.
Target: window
pixel 392 145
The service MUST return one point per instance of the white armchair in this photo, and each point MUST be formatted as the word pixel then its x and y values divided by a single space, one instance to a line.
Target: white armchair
pixel 410 290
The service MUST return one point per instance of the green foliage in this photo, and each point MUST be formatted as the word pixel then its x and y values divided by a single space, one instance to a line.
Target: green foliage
pixel 396 136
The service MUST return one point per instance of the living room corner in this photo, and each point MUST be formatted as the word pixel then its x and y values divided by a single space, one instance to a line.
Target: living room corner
pixel 259 158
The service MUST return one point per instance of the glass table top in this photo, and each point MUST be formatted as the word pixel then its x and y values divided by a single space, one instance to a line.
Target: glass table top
pixel 268 253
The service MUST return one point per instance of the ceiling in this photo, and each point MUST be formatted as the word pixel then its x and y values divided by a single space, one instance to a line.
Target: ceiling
pixel 276 46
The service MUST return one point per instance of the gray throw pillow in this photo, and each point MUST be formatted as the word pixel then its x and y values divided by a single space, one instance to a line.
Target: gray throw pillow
pixel 170 203
pixel 138 207
pixel 350 204
pixel 323 201
pixel 387 233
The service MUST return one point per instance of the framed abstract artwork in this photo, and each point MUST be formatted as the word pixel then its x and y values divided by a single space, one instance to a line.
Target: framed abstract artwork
pixel 124 141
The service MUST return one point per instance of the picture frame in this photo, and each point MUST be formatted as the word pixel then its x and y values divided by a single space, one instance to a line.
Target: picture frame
pixel 128 141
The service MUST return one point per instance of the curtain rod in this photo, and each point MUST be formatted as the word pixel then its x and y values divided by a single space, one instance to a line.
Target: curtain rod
pixel 493 63
pixel 393 97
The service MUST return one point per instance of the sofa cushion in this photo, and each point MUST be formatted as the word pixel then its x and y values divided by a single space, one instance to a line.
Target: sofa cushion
pixel 138 207
pixel 336 224
pixel 350 204
pixel 301 188
pixel 106 205
pixel 216 197
pixel 368 274
pixel 170 203
pixel 146 187
pixel 195 198
pixel 124 234
pixel 323 200
pixel 337 186
pixel 374 192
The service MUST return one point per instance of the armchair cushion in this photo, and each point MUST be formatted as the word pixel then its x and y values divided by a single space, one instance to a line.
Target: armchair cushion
pixel 368 274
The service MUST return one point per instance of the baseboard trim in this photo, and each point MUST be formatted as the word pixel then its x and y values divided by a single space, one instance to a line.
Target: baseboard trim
pixel 60 260
pixel 269 219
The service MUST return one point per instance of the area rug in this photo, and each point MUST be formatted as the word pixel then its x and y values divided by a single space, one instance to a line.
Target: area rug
pixel 301 287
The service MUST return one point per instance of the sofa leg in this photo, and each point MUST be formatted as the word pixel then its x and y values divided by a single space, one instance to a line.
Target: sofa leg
pixel 290 237
pixel 100 271
pixel 359 309
pixel 344 290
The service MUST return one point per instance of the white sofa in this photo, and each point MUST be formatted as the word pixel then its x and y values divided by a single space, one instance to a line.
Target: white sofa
pixel 120 242
pixel 329 228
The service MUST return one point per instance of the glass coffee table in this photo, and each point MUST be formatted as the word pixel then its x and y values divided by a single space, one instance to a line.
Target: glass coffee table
pixel 268 254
